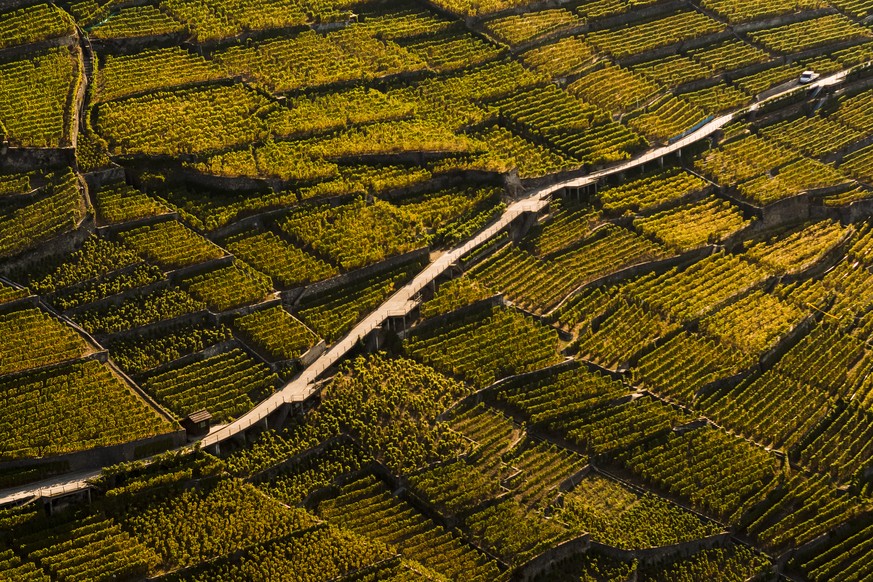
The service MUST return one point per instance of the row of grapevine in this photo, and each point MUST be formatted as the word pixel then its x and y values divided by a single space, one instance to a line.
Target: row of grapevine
pixel 193 525
pixel 754 323
pixel 348 54
pixel 366 507
pixel 666 118
pixel 697 290
pixel 91 548
pixel 808 34
pixel 455 487
pixel 80 406
pixel 46 81
pixel 513 532
pixel 95 258
pixel 570 124
pixel 226 385
pixel 841 445
pixel 542 468
pixel 565 58
pixel 737 11
pixel 453 295
pixel 801 510
pixel 170 244
pixel 795 178
pixel 452 51
pixel 507 151
pixel 716 472
pixel 567 224
pixel 625 330
pixel 145 351
pixel 673 70
pixel 59 210
pixel 106 286
pixel 598 87
pixel 524 28
pixel 588 411
pixel 31 24
pixel 495 343
pixel 9 293
pixel 276 332
pixel 640 38
pixel 798 250
pixel 356 234
pixel 733 562
pixel 621 517
pixel 137 311
pixel 319 553
pixel 492 434
pixel 847 555
pixel 120 76
pixel 815 136
pixel 136 22
pixel 540 284
pixel 228 287
pixel 649 192
pixel 286 264
pixel 693 225
pixel 13 568
pixel 390 406
pixel 119 202
pixel 333 313
pixel 184 121
pixel 315 472
pixel 30 338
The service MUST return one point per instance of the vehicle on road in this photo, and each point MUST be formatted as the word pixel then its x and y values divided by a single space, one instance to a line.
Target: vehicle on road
pixel 808 77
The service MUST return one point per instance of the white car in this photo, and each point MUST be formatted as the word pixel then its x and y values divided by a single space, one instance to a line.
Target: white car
pixel 808 77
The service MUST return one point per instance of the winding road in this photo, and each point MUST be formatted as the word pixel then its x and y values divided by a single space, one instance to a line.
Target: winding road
pixel 304 385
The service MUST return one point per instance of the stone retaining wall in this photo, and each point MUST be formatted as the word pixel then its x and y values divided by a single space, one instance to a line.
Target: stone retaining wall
pixel 103 456
pixel 542 563
pixel 18 159
pixel 61 244
pixel 663 553
pixel 420 255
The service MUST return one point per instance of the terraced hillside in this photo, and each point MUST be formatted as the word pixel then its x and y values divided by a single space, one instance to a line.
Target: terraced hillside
pixel 360 290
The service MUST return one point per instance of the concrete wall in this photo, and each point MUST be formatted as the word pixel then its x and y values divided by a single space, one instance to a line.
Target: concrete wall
pixel 233 184
pixel 112 229
pixel 117 299
pixel 663 553
pixel 104 456
pixel 673 49
pixel 787 211
pixel 188 318
pixel 440 321
pixel 26 159
pixel 546 560
pixel 638 13
pixel 98 179
pixel 136 44
pixel 26 51
pixel 61 244
pixel 855 212
pixel 781 20
pixel 660 266
pixel 421 255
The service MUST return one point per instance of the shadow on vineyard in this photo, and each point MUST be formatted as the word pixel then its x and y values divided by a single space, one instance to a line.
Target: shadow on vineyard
pixel 493 290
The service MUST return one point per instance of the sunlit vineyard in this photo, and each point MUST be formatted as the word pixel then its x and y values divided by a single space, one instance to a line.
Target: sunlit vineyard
pixel 447 290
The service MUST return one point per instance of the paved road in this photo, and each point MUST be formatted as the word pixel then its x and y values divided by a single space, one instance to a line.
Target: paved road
pixel 303 386
pixel 55 486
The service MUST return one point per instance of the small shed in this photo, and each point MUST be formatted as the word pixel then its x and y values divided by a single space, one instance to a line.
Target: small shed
pixel 197 423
